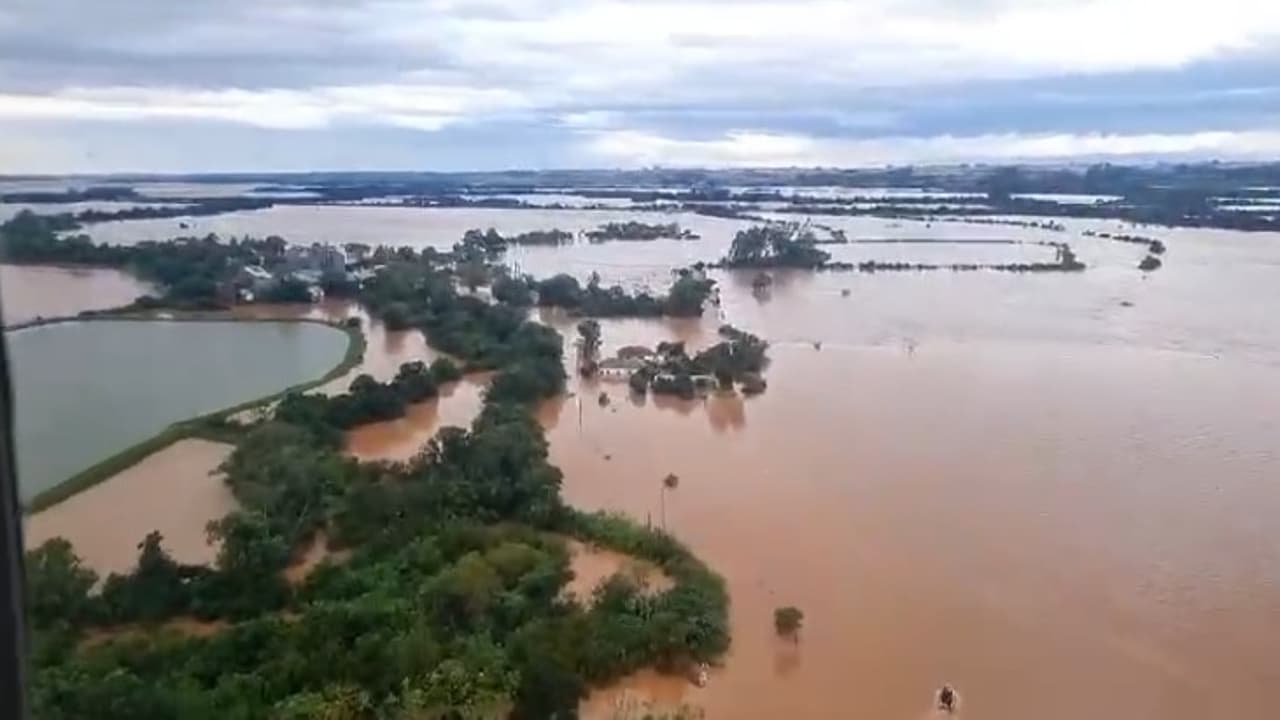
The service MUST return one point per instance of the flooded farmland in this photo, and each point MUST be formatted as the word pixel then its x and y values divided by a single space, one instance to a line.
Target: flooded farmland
pixel 1013 483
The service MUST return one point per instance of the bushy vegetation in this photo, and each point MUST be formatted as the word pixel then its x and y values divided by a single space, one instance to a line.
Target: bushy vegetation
pixel 787 621
pixel 554 236
pixel 190 271
pixel 632 230
pixel 739 358
pixel 686 297
pixel 775 245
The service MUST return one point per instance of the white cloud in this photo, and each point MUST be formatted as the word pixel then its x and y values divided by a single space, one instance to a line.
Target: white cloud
pixel 590 119
pixel 584 53
pixel 416 106
pixel 612 71
pixel 754 149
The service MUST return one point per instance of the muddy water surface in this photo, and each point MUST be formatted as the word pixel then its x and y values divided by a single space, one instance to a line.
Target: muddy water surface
pixel 1055 491
pixel 1011 483
pixel 34 291
pixel 176 491
pixel 1007 519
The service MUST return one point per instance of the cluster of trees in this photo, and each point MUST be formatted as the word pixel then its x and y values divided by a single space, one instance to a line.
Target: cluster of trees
pixel 775 245
pixel 484 336
pixel 686 297
pixel 192 272
pixel 489 244
pixel 787 245
pixel 1154 246
pixel 206 206
pixel 554 236
pixel 632 230
pixel 739 357
pixel 452 603
pixel 367 400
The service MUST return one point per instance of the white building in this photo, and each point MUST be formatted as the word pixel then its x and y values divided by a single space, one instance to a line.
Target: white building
pixel 255 278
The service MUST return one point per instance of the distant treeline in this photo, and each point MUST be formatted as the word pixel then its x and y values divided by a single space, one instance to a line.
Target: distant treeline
pixel 632 230
pixel 1155 246
pixel 789 245
pixel 1177 194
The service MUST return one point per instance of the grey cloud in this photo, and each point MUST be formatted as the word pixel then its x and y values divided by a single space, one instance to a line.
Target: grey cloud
pixel 201 43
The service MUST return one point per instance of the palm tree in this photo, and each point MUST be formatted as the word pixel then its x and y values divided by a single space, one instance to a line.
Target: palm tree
pixel 670 482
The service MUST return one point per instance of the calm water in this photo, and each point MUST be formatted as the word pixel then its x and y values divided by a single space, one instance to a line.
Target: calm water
pixel 1055 491
pixel 29 292
pixel 419 227
pixel 86 390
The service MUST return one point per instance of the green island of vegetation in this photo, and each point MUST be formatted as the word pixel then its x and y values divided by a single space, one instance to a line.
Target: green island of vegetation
pixel 632 230
pixel 791 245
pixel 450 601
pixel 739 358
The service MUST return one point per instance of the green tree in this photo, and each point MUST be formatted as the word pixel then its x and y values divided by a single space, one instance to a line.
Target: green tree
pixel 560 291
pixel 58 584
pixel 415 382
pixel 589 333
pixel 396 316
pixel 251 559
pixel 443 370
pixel 787 621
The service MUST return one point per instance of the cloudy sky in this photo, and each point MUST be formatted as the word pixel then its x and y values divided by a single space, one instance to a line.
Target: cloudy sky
pixel 224 85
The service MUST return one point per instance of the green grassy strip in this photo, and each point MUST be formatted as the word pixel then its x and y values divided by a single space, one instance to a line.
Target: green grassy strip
pixel 209 426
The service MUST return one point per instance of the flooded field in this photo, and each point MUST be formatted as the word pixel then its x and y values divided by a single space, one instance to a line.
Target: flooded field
pixel 175 491
pixel 1055 491
pixel 1009 483
pixel 418 227
pixel 29 292
pixel 1008 518
pixel 592 566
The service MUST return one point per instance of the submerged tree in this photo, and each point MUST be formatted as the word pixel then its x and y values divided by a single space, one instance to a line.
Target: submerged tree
pixel 787 621
pixel 589 332
pixel 670 482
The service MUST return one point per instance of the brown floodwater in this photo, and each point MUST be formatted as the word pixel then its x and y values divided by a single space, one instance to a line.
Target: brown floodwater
pixel 401 439
pixel 1055 492
pixel 175 491
pixel 1051 491
pixel 954 515
pixel 593 565
pixel 30 292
